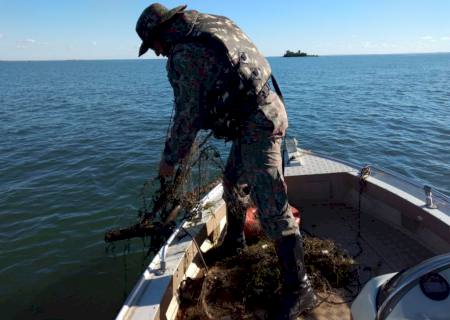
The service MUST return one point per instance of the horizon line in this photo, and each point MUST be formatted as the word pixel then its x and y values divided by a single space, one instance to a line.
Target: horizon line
pixel 155 58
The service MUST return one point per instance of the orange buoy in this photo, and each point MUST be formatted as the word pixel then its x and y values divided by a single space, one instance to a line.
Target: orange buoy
pixel 252 227
pixel 296 214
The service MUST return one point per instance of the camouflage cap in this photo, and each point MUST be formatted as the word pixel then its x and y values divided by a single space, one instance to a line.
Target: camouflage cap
pixel 151 17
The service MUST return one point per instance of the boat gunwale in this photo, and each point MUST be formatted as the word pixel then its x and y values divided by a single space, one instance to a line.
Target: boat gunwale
pixel 152 272
pixel 413 182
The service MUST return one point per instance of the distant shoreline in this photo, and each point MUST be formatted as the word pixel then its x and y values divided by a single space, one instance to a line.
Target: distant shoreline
pixel 324 55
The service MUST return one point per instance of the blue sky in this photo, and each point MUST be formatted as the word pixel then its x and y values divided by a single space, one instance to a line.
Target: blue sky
pixel 101 29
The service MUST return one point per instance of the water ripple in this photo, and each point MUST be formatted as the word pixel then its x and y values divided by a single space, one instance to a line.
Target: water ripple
pixel 80 138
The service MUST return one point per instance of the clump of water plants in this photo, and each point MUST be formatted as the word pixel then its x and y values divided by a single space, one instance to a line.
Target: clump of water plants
pixel 243 286
pixel 327 265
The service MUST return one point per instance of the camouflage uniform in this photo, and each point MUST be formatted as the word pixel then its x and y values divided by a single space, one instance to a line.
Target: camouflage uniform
pixel 255 164
pixel 254 167
pixel 220 82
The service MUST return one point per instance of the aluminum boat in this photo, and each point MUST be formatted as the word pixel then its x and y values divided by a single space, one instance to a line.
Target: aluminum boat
pixel 400 229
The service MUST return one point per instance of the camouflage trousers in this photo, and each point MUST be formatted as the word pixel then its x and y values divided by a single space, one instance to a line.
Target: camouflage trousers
pixel 253 174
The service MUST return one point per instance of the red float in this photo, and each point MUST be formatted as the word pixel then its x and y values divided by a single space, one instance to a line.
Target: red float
pixel 253 229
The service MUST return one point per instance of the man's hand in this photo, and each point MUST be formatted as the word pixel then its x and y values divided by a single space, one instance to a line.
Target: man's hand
pixel 165 170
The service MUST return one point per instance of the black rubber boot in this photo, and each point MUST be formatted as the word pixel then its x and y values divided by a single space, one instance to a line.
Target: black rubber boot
pixel 297 294
pixel 234 240
pixel 235 227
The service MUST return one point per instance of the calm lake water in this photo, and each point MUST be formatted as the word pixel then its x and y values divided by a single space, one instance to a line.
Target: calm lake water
pixel 79 138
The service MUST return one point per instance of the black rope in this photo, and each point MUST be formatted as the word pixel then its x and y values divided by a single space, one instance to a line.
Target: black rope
pixel 198 248
pixel 277 88
pixel 363 175
pixel 126 251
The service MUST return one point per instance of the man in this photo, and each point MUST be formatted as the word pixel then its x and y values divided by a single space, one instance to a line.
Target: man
pixel 220 83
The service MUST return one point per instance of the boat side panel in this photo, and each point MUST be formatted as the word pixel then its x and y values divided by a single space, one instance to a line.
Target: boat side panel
pixel 155 296
pixel 328 187
pixel 404 212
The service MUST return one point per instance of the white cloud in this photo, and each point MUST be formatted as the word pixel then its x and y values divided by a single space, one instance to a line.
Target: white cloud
pixel 29 43
pixel 388 45
pixel 25 44
pixel 445 38
pixel 427 38
pixel 367 44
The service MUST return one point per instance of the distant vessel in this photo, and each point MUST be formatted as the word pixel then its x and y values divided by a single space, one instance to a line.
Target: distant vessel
pixel 290 54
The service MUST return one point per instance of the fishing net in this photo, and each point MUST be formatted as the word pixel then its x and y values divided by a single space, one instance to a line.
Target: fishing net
pixel 246 286
pixel 167 202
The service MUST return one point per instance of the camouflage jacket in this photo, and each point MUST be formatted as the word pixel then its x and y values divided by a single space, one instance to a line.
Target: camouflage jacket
pixel 192 69
pixel 195 68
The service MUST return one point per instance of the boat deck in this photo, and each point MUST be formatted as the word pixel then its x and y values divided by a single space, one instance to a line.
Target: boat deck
pixel 382 249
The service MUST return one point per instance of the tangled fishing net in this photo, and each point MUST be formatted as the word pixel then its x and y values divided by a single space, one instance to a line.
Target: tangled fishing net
pixel 174 200
pixel 246 286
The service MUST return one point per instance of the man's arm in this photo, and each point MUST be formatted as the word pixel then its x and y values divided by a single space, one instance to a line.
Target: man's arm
pixel 187 69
